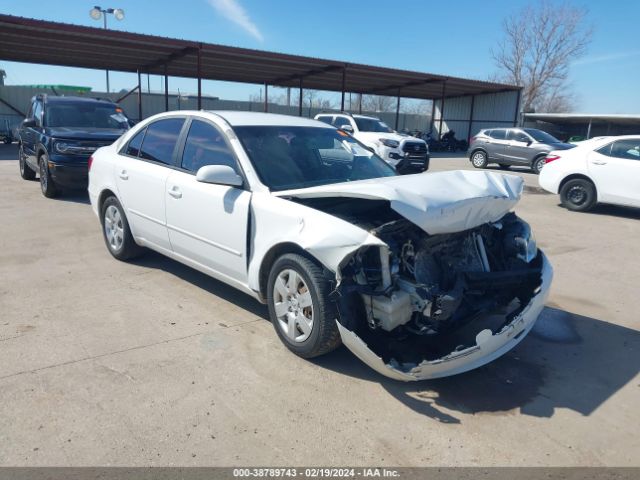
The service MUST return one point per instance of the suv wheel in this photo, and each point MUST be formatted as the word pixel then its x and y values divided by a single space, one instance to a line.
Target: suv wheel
pixel 47 185
pixel 26 172
pixel 479 159
pixel 302 314
pixel 578 195
pixel 538 164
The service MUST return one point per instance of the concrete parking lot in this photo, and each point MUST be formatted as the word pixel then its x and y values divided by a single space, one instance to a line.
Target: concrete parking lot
pixel 152 363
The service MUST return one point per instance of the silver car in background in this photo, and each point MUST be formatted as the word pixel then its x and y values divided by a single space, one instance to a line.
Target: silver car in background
pixel 513 146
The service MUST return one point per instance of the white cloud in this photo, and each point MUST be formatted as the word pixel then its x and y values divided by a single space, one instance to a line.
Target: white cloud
pixel 233 11
pixel 606 57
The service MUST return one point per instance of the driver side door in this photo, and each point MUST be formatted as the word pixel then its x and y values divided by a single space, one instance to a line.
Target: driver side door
pixel 208 223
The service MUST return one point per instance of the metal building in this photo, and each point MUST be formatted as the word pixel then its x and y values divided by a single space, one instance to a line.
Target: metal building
pixel 567 125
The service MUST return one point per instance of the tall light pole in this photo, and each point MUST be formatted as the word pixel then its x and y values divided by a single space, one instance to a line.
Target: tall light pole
pixel 97 13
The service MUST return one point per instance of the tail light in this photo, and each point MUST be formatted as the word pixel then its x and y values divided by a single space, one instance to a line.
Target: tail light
pixel 472 139
pixel 551 158
pixel 89 162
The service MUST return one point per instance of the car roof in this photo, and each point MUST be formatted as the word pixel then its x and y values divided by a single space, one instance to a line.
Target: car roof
pixel 71 98
pixel 238 118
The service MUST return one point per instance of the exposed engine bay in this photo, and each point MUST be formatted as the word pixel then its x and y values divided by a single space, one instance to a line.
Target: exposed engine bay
pixel 423 296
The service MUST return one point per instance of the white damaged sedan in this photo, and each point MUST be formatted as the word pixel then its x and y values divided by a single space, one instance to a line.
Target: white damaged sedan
pixel 420 276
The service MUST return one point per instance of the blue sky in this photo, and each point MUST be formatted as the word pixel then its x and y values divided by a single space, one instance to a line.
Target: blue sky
pixel 452 38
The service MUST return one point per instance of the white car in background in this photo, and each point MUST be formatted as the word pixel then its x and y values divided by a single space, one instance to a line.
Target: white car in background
pixel 405 153
pixel 600 170
pixel 420 276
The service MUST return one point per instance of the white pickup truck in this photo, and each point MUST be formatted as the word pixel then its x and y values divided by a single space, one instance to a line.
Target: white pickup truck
pixel 405 153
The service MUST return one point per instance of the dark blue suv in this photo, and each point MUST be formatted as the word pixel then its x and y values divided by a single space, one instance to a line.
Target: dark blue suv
pixel 60 134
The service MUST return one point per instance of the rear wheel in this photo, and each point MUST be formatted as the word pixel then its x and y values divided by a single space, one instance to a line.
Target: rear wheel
pixel 578 195
pixel 26 172
pixel 302 314
pixel 116 232
pixel 47 185
pixel 479 159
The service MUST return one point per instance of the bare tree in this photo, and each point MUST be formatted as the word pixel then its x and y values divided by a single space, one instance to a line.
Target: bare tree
pixel 378 103
pixel 539 44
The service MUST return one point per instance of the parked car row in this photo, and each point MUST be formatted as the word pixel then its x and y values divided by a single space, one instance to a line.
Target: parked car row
pixel 420 276
pixel 599 170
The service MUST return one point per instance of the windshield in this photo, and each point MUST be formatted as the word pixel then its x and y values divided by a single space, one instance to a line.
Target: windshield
pixel 85 115
pixel 372 125
pixel 299 157
pixel 540 136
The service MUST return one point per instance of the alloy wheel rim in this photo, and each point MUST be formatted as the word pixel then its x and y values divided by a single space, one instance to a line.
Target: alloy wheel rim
pixel 113 228
pixel 43 176
pixel 293 305
pixel 478 159
pixel 540 165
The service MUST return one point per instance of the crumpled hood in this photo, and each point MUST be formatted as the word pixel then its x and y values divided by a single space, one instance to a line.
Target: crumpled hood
pixel 442 202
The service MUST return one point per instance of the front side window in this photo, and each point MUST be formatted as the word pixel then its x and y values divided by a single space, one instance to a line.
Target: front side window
pixel 160 141
pixel 206 145
pixel 339 122
pixel 517 136
pixel 85 115
pixel 299 157
pixel 372 125
pixel 37 113
pixel 627 149
pixel 540 136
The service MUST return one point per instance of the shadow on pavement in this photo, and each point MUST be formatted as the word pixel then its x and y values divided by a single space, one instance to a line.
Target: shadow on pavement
pixel 567 361
pixel 615 211
pixel 152 259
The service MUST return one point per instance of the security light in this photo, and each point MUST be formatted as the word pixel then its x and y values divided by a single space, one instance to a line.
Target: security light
pixel 95 13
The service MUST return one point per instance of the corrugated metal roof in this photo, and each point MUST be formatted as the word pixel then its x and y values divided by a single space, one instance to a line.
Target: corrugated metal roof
pixel 39 41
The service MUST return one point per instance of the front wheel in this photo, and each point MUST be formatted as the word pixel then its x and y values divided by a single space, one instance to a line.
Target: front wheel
pixel 538 164
pixel 578 195
pixel 479 159
pixel 302 314
pixel 47 185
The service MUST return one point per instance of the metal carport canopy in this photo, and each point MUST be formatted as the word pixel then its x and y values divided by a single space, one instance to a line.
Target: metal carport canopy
pixel 38 41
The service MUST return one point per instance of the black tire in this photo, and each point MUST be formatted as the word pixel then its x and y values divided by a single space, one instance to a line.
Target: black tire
pixel 504 166
pixel 26 172
pixel 538 164
pixel 578 195
pixel 127 248
pixel 47 184
pixel 324 336
pixel 479 159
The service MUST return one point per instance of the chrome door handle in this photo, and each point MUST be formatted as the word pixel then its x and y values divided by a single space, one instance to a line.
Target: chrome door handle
pixel 175 192
pixel 598 162
pixel 123 175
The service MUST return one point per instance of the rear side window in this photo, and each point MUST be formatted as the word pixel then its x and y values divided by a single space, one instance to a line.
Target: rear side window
pixel 325 118
pixel 133 148
pixel 206 145
pixel 160 141
pixel 517 136
pixel 498 134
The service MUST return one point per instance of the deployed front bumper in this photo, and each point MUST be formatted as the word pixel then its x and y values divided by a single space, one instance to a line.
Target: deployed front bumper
pixel 488 346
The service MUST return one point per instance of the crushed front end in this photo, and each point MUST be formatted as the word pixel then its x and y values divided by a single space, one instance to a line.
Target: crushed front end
pixel 427 306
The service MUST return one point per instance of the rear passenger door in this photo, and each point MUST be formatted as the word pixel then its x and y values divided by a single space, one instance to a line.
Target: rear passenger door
pixel 208 223
pixel 141 176
pixel 496 144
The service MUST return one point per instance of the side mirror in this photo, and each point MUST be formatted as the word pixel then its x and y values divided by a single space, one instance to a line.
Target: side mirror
pixel 220 175
pixel 346 128
pixel 29 123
